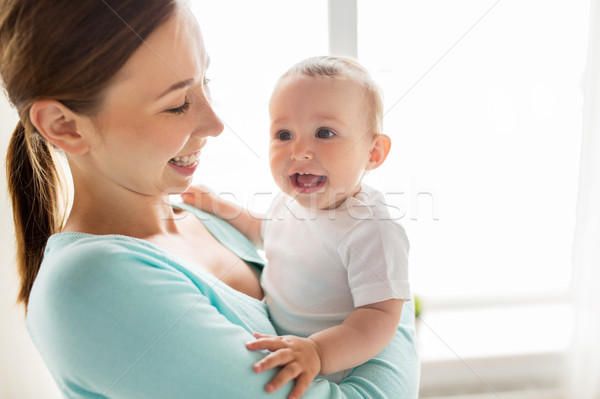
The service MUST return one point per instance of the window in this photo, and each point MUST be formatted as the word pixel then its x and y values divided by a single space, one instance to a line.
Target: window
pixel 484 104
pixel 484 107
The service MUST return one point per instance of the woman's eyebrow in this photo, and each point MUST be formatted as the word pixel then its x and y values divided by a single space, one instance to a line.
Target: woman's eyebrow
pixel 183 83
pixel 176 86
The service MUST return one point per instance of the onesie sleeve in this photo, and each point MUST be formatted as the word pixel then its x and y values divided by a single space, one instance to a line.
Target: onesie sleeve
pixel 110 323
pixel 375 252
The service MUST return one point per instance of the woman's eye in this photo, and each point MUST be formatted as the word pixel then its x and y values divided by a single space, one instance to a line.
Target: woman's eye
pixel 206 81
pixel 284 135
pixel 180 110
pixel 324 134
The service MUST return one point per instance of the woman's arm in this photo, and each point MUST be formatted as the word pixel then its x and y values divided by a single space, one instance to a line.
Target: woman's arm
pixel 114 323
pixel 110 324
pixel 362 335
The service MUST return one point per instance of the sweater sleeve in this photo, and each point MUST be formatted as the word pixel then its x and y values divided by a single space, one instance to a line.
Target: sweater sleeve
pixel 112 323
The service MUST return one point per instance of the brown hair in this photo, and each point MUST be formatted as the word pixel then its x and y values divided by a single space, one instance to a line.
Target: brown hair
pixel 344 67
pixel 67 51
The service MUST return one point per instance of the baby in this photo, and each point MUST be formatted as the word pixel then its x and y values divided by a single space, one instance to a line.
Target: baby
pixel 337 265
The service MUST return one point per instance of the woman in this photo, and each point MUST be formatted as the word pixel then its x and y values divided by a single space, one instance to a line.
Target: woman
pixel 136 298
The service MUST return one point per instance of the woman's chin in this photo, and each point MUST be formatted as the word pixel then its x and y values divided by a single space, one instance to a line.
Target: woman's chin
pixel 177 188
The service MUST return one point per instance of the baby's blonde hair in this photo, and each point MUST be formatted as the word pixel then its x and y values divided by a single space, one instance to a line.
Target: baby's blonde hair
pixel 344 67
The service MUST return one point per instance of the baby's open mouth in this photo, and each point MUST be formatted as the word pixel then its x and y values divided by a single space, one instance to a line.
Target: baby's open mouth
pixel 307 182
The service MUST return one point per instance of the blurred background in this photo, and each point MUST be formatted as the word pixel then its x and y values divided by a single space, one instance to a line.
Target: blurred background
pixel 485 104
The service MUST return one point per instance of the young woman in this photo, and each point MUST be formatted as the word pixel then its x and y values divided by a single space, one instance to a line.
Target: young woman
pixel 128 296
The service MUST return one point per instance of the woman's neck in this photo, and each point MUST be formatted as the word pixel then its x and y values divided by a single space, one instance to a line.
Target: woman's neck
pixel 116 210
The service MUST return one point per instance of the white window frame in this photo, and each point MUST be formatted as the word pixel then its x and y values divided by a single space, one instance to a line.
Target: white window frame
pixel 343 26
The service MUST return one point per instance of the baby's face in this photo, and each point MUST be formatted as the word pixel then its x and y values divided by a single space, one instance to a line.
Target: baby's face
pixel 321 139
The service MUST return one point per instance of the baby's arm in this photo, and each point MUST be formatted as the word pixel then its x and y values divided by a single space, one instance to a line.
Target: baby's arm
pixel 205 199
pixel 362 335
pixel 365 333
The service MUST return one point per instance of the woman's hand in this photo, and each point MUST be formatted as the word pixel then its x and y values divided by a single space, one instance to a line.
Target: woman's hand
pixel 298 357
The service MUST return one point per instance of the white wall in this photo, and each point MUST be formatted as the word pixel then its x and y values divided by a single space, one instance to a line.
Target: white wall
pixel 23 375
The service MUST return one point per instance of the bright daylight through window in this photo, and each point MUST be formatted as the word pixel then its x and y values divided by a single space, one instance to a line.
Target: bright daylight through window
pixel 483 104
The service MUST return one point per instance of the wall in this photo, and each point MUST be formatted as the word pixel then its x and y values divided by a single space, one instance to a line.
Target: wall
pixel 23 375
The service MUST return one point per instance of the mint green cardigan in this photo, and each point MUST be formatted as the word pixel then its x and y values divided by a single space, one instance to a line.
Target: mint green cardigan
pixel 118 317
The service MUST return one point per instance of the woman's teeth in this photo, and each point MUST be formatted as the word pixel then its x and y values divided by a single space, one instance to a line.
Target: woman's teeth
pixel 184 161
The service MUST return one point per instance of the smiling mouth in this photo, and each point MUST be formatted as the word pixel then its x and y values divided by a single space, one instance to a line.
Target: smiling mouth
pixel 307 183
pixel 186 160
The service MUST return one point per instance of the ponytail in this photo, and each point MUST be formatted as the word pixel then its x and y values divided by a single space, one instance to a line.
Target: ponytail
pixel 34 187
pixel 66 51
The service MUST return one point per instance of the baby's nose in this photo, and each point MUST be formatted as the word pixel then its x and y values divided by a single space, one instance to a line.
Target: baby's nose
pixel 301 154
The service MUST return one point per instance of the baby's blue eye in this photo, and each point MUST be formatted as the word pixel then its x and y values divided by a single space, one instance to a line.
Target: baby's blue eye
pixel 284 135
pixel 324 133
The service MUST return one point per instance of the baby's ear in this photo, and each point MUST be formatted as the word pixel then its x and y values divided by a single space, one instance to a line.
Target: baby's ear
pixel 58 124
pixel 379 151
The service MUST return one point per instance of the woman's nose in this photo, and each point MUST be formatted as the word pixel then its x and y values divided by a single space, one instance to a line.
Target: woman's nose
pixel 209 123
pixel 214 125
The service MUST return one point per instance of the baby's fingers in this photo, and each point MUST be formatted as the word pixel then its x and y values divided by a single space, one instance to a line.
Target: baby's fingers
pixel 302 383
pixel 279 358
pixel 258 335
pixel 288 373
pixel 197 190
pixel 271 343
pixel 198 196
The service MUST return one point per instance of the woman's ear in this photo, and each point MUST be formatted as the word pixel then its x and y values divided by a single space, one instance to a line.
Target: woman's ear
pixel 58 124
pixel 379 151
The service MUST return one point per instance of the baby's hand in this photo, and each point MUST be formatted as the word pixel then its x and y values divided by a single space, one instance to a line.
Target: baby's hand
pixel 199 196
pixel 299 358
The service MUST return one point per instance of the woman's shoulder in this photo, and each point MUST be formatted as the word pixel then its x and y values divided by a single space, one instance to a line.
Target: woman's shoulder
pixel 85 245
pixel 88 257
pixel 81 270
pixel 100 302
pixel 117 275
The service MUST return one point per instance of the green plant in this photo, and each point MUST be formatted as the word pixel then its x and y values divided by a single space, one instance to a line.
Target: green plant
pixel 418 307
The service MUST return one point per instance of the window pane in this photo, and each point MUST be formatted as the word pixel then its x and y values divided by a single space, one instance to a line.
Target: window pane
pixel 492 132
pixel 250 45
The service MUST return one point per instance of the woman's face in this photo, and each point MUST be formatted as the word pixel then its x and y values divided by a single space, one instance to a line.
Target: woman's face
pixel 156 115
